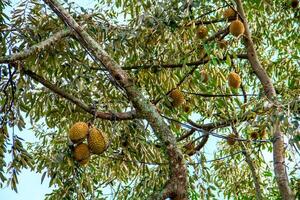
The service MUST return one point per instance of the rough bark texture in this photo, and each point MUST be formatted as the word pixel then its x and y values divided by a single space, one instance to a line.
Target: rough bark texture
pixel 278 150
pixel 35 48
pixel 177 184
pixel 255 176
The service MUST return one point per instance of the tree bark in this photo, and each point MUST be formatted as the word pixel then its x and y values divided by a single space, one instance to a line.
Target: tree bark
pixel 103 115
pixel 255 176
pixel 176 187
pixel 278 144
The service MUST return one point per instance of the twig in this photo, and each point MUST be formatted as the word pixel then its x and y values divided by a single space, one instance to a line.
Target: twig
pixel 217 95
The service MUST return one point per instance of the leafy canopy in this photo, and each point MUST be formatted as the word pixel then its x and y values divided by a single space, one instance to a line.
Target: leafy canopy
pixel 156 43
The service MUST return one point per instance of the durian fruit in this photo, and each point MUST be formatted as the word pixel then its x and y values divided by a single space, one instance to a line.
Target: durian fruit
pixel 294 3
pixel 177 98
pixel 237 28
pixel 229 13
pixel 204 76
pixel 97 141
pixel 222 44
pixel 254 135
pixel 78 132
pixel 202 32
pixel 234 80
pixel 231 139
pixel 82 153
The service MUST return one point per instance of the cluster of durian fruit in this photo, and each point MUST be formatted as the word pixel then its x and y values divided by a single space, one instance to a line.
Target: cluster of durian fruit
pixel 97 141
pixel 237 29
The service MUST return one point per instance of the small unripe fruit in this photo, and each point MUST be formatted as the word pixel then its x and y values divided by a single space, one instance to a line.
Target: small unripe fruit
pixel 237 28
pixel 231 139
pixel 186 108
pixel 234 80
pixel 254 135
pixel 202 32
pixel 204 76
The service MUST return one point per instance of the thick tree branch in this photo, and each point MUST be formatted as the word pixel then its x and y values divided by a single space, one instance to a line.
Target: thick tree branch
pixel 278 150
pixel 186 135
pixel 200 145
pixel 78 102
pixel 35 48
pixel 177 183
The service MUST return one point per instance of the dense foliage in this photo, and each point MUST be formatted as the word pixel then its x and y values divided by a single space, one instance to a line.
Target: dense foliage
pixel 156 42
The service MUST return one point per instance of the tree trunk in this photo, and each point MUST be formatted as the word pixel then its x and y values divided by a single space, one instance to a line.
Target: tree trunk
pixel 278 144
pixel 178 172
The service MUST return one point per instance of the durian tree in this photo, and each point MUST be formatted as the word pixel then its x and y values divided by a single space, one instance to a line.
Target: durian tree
pixel 193 97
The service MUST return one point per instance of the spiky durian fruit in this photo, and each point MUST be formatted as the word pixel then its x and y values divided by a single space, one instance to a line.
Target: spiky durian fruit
pixel 204 76
pixel 237 28
pixel 202 32
pixel 231 139
pixel 229 13
pixel 97 140
pixel 177 98
pixel 294 3
pixel 82 153
pixel 254 135
pixel 78 132
pixel 234 80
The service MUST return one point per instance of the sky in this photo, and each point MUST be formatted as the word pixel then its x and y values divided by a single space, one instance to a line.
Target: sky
pixel 30 187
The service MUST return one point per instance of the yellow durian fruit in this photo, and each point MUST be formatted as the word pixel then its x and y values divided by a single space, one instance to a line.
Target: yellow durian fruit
pixel 78 132
pixel 97 141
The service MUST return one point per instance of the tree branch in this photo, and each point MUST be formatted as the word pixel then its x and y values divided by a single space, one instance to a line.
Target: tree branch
pixel 255 177
pixel 178 173
pixel 258 191
pixel 35 48
pixel 179 65
pixel 78 102
pixel 200 145
pixel 217 95
pixel 278 150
